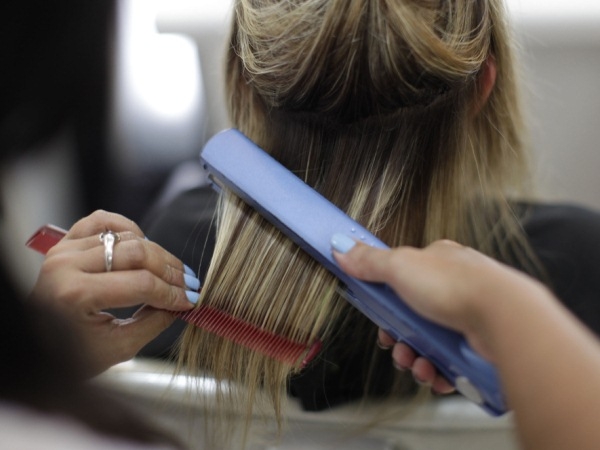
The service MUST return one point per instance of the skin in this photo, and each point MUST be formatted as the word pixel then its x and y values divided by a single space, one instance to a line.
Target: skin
pixel 546 358
pixel 73 279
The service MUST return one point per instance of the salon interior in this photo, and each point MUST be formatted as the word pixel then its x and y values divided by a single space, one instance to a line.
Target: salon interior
pixel 166 99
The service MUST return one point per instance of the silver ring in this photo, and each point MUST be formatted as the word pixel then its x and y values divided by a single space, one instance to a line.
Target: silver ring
pixel 109 239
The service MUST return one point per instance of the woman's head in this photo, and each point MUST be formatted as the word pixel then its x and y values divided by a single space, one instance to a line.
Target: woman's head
pixel 402 78
pixel 382 107
pixel 351 59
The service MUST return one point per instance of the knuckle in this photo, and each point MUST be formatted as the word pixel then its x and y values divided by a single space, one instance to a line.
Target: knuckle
pixel 52 271
pixel 71 299
pixel 136 253
pixel 172 276
pixel 98 218
pixel 99 214
pixel 89 224
pixel 157 292
pixel 146 283
pixel 51 264
pixel 173 297
pixel 73 294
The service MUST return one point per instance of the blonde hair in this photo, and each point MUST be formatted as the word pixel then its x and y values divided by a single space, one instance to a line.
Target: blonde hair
pixel 374 104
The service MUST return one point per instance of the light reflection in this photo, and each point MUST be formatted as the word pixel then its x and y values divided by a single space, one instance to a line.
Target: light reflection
pixel 152 380
pixel 161 381
pixel 162 71
pixel 553 9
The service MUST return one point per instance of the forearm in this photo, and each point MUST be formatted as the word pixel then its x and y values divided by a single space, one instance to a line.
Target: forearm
pixel 550 367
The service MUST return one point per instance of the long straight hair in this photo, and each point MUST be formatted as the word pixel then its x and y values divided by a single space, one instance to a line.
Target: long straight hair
pixel 372 103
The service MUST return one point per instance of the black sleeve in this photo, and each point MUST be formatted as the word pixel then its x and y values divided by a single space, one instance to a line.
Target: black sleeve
pixel 566 239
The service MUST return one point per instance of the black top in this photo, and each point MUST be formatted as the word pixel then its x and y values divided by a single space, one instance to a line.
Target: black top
pixel 565 238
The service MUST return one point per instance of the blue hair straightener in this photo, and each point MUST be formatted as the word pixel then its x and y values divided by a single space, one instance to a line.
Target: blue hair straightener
pixel 310 220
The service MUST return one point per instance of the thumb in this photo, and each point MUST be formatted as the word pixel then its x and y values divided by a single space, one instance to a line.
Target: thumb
pixel 374 264
pixel 419 278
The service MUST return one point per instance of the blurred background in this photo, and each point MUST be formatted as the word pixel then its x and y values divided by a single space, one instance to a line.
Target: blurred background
pixel 160 97
pixel 153 98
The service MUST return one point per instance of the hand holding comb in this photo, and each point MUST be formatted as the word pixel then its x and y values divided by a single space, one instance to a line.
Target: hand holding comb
pixel 211 319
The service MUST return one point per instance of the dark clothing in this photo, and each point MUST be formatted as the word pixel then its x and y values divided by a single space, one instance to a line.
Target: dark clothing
pixel 565 238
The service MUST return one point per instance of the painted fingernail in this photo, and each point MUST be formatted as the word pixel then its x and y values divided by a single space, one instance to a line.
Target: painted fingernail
pixel 191 282
pixel 192 296
pixel 189 270
pixel 342 243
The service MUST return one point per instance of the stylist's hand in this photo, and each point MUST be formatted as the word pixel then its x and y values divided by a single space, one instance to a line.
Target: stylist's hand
pixel 73 278
pixel 445 282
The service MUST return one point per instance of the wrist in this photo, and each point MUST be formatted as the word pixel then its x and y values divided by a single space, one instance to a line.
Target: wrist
pixel 502 307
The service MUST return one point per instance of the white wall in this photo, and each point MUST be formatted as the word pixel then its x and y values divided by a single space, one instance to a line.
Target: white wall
pixel 560 50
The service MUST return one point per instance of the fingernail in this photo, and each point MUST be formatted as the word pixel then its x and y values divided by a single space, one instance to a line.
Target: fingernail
pixel 399 367
pixel 421 382
pixel 342 243
pixel 189 270
pixel 442 393
pixel 191 282
pixel 382 346
pixel 192 296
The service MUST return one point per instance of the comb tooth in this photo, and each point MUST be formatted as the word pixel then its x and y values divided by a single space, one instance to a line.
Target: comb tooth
pixel 289 349
pixel 249 335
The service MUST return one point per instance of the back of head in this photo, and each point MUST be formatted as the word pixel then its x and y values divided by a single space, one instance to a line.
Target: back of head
pixel 378 105
pixel 393 84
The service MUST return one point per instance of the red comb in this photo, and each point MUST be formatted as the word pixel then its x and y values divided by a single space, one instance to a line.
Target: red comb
pixel 45 238
pixel 249 335
pixel 213 320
